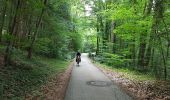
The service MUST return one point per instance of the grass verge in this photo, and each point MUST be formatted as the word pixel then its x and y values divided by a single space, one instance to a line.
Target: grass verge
pixel 129 74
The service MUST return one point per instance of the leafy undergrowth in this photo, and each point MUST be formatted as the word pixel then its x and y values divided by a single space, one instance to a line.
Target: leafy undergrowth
pixel 55 88
pixel 138 85
pixel 27 75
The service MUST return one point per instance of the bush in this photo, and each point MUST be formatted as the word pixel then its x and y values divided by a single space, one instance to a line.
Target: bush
pixel 111 59
pixel 42 46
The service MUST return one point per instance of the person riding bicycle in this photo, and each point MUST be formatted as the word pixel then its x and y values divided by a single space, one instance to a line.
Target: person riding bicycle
pixel 78 55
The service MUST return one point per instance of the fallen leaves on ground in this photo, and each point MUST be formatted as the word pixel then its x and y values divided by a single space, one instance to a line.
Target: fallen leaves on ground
pixel 140 90
pixel 55 89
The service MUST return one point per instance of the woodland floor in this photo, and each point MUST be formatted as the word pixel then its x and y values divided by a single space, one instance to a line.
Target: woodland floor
pixel 55 88
pixel 34 79
pixel 140 90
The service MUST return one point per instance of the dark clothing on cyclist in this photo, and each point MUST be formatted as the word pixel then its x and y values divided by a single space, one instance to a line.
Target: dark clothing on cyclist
pixel 78 54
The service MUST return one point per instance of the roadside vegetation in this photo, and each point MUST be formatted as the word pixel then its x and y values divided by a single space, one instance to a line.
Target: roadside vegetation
pixel 131 34
pixel 25 76
pixel 139 85
pixel 129 74
pixel 131 39
pixel 38 39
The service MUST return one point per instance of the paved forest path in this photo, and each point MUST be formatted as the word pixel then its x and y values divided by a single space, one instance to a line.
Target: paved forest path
pixel 89 83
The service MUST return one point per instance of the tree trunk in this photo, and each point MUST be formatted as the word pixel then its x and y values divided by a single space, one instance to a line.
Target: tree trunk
pixel 141 57
pixel 164 59
pixel 36 32
pixel 3 20
pixel 11 31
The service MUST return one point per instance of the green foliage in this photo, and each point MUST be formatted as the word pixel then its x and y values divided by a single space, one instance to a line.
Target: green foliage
pixel 89 43
pixel 137 31
pixel 122 13
pixel 27 76
pixel 42 46
pixel 130 74
pixel 76 41
pixel 8 37
pixel 60 38
pixel 110 59
pixel 41 28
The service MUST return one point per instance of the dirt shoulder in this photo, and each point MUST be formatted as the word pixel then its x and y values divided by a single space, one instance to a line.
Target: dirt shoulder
pixel 55 88
pixel 139 90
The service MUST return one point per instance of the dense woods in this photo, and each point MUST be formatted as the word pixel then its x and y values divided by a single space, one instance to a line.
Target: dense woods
pixel 133 34
pixel 43 27
pixel 122 34
pixel 37 40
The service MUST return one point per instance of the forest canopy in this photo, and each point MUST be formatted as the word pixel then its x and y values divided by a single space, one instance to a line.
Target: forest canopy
pixel 132 34
pixel 44 27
